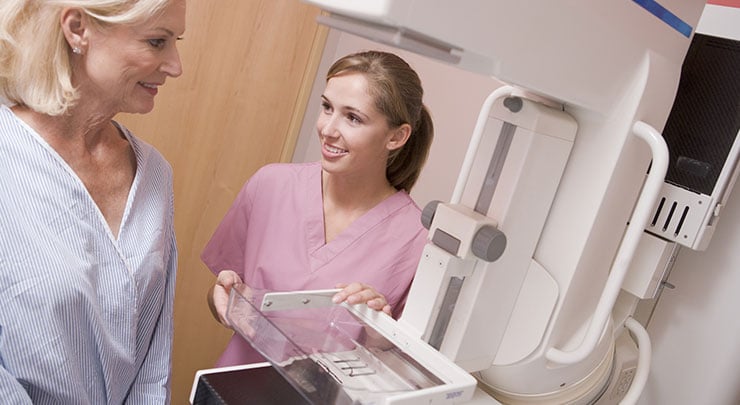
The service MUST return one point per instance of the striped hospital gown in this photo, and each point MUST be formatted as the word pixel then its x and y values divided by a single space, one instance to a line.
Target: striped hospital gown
pixel 84 318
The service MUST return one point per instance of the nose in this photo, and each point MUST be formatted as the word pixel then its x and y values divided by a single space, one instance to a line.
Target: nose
pixel 172 65
pixel 326 124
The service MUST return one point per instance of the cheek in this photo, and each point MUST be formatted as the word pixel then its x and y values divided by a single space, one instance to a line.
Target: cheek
pixel 370 143
pixel 136 69
pixel 322 121
pixel 110 73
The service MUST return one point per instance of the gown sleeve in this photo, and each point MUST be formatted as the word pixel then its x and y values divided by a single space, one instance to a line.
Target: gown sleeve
pixel 226 248
pixel 152 384
pixel 11 390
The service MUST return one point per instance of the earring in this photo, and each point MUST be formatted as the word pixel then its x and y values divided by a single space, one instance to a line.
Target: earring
pixel 77 50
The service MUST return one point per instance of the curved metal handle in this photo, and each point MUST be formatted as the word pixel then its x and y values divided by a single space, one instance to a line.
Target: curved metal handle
pixel 639 220
pixel 480 125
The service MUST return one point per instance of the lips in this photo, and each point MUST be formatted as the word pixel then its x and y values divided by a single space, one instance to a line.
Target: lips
pixel 333 150
pixel 150 87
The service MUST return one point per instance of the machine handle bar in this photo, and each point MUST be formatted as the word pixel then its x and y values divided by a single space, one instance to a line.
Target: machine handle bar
pixel 635 228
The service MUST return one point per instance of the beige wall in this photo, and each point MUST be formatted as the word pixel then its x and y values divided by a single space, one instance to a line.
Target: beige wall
pixel 248 67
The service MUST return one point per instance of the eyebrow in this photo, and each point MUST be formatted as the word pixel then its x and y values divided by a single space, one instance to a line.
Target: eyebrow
pixel 348 108
pixel 166 30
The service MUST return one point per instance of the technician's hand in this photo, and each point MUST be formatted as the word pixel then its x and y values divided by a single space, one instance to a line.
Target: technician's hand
pixel 358 293
pixel 218 295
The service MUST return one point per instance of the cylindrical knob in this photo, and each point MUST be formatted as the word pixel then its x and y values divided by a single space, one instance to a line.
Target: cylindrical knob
pixel 427 214
pixel 488 243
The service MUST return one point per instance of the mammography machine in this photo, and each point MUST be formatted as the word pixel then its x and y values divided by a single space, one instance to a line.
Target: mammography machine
pixel 560 222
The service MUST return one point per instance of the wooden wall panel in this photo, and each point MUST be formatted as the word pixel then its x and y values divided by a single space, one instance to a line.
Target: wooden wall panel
pixel 248 67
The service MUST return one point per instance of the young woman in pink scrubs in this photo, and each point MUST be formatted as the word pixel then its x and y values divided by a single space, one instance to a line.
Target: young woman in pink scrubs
pixel 346 221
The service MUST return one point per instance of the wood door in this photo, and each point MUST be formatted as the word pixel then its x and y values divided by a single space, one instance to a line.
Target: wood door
pixel 248 69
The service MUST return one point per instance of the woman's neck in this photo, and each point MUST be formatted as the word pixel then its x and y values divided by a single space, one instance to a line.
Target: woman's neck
pixel 355 194
pixel 346 200
pixel 75 127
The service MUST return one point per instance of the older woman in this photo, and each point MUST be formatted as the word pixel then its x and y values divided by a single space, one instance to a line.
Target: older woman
pixel 87 248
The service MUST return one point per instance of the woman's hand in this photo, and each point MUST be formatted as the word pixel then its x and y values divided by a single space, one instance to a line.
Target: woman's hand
pixel 218 295
pixel 358 293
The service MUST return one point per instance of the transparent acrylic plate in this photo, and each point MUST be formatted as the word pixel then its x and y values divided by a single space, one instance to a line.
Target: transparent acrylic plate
pixel 331 355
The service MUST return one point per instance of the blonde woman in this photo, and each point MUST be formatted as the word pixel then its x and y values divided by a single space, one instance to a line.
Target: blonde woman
pixel 87 248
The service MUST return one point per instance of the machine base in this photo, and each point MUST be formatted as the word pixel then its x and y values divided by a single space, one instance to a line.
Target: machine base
pixel 256 383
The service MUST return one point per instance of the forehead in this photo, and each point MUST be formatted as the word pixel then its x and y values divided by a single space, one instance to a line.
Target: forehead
pixel 351 90
pixel 172 18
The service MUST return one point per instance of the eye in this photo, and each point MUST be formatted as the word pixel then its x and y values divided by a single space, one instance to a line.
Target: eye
pixel 354 119
pixel 157 42
pixel 325 106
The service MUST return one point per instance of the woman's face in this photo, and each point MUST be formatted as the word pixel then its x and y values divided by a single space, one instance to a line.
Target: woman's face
pixel 124 65
pixel 355 137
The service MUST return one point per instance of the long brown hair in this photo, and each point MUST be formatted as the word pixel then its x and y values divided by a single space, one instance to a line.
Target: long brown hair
pixel 397 91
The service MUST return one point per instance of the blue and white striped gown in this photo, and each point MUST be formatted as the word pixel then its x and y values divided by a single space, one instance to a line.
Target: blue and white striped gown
pixel 84 318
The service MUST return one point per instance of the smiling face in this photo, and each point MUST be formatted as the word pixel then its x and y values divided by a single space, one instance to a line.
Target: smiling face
pixel 355 137
pixel 122 66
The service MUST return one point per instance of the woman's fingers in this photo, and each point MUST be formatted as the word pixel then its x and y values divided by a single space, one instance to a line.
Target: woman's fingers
pixel 359 293
pixel 219 295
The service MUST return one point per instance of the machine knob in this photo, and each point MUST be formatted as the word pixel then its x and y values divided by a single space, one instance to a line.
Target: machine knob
pixel 514 104
pixel 427 214
pixel 488 243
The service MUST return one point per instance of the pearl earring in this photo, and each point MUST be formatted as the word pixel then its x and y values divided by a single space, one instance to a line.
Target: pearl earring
pixel 77 50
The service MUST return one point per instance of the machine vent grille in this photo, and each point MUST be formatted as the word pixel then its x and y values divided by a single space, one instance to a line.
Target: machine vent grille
pixel 673 218
pixel 680 215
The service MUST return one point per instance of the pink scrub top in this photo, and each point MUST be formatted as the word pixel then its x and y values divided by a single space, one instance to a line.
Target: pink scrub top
pixel 273 236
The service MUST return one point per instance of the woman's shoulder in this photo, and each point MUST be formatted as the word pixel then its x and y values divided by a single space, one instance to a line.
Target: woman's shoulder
pixel 283 179
pixel 288 171
pixel 400 213
pixel 146 153
pixel 404 204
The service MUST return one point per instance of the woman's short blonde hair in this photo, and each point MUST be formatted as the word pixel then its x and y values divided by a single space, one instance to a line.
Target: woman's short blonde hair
pixel 35 58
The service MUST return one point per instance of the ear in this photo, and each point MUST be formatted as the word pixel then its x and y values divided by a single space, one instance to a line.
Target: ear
pixel 74 27
pixel 398 137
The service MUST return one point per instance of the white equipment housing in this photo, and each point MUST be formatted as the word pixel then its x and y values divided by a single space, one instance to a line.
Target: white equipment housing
pixel 543 323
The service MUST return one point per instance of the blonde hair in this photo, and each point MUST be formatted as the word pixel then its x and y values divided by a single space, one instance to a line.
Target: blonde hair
pixel 35 58
pixel 397 92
